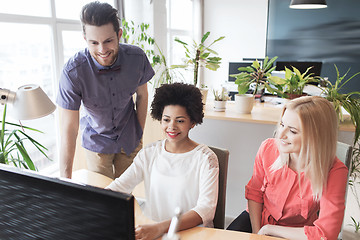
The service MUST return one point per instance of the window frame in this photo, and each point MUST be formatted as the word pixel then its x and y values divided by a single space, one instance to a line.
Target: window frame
pixel 57 26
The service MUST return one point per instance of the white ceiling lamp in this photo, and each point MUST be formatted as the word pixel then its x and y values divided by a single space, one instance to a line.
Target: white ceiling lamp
pixel 308 4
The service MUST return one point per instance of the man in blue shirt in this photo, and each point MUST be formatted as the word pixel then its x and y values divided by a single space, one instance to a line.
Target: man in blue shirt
pixel 103 79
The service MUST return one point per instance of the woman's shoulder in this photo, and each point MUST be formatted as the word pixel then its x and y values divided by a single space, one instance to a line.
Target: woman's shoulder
pixel 152 145
pixel 338 166
pixel 151 148
pixel 268 144
pixel 207 155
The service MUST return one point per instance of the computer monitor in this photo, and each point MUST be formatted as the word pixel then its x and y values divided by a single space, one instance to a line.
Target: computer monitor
pixel 301 66
pixel 38 207
pixel 233 68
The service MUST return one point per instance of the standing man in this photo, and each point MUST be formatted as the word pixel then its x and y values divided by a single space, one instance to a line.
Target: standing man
pixel 103 79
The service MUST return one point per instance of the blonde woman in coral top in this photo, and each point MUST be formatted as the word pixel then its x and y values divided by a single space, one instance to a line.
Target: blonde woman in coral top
pixel 298 186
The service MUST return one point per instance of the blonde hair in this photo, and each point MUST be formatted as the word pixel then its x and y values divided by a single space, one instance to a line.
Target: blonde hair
pixel 319 127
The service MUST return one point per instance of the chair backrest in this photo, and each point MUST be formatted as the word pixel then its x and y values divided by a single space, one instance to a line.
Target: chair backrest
pixel 344 154
pixel 223 158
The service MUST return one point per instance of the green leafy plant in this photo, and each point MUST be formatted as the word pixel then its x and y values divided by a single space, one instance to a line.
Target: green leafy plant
pixel 349 101
pixel 138 35
pixel 221 95
pixel 12 148
pixel 200 54
pixel 294 82
pixel 256 74
pixel 355 224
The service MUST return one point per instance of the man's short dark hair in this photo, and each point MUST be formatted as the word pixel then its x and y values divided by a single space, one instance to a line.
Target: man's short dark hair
pixel 99 14
pixel 185 95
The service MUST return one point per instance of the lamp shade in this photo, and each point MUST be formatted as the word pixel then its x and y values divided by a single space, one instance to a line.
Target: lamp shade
pixel 308 4
pixel 31 102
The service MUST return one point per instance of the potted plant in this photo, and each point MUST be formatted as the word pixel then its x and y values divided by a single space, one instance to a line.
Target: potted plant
pixel 138 35
pixel 220 100
pixel 200 55
pixel 350 102
pixel 256 75
pixel 292 86
pixel 12 148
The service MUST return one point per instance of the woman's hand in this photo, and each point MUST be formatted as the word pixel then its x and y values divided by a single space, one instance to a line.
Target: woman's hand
pixel 149 231
pixel 265 230
pixel 294 233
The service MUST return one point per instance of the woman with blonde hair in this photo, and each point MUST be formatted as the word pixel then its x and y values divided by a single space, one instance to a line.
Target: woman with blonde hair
pixel 298 186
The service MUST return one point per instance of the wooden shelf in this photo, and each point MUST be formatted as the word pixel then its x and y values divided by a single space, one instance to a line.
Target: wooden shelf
pixel 262 113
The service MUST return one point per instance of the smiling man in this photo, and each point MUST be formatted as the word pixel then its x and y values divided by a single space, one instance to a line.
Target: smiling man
pixel 102 79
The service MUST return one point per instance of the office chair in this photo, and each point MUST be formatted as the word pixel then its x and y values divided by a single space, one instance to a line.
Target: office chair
pixel 223 158
pixel 344 154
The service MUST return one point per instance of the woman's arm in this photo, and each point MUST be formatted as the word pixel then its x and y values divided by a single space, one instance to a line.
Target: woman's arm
pixel 255 210
pixel 132 176
pixel 293 233
pixel 332 206
pixel 152 231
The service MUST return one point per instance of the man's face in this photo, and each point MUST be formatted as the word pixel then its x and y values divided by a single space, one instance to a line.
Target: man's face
pixel 103 43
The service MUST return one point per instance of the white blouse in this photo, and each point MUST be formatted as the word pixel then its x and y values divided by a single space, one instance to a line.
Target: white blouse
pixel 186 180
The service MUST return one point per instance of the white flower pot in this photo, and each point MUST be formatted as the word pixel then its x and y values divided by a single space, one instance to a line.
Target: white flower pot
pixel 219 106
pixel 204 92
pixel 244 103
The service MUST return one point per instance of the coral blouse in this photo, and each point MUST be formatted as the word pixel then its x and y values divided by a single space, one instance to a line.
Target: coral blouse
pixel 287 203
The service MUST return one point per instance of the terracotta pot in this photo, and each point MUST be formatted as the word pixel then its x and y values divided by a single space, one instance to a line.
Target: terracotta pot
pixel 293 96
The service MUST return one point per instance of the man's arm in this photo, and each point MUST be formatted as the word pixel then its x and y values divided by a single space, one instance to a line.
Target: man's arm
pixel 69 127
pixel 142 104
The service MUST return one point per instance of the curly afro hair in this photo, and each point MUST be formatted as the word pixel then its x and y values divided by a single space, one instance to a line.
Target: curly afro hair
pixel 185 95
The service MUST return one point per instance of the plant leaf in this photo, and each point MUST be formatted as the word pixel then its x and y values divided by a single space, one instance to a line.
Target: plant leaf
pixel 26 157
pixel 206 35
pixel 179 41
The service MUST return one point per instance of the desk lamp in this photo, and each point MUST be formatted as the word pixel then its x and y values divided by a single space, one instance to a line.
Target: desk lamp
pixel 308 4
pixel 29 102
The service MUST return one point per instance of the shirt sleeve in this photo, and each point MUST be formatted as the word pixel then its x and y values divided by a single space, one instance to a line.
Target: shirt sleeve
pixel 132 176
pixel 69 95
pixel 332 206
pixel 209 187
pixel 148 71
pixel 254 188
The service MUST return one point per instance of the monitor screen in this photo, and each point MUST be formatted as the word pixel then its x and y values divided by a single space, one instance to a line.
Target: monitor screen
pixel 38 207
pixel 301 66
pixel 233 68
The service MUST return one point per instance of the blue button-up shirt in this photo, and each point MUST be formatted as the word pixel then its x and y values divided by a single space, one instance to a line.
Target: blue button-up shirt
pixel 108 119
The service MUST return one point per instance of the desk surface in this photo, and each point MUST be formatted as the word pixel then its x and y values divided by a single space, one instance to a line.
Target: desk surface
pixel 265 113
pixel 197 233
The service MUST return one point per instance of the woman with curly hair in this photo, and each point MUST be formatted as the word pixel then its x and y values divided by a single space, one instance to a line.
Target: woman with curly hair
pixel 177 172
pixel 297 190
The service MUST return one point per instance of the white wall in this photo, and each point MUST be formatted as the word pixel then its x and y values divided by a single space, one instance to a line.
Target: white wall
pixel 244 24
